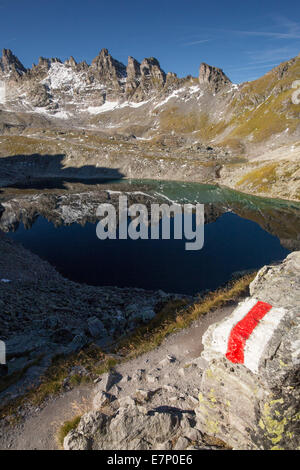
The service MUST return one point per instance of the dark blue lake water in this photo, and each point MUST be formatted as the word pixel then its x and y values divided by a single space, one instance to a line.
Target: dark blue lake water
pixel 231 244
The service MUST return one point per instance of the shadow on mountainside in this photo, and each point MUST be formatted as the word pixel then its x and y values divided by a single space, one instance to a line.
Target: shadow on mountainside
pixel 38 171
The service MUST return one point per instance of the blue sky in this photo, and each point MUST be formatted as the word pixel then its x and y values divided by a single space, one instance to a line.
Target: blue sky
pixel 246 39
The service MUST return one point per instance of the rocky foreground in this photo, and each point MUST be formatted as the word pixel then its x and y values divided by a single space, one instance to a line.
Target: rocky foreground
pixel 185 405
pixel 186 394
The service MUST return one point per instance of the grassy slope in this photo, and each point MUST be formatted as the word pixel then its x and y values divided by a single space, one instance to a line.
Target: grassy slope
pixel 259 110
pixel 284 175
pixel 264 106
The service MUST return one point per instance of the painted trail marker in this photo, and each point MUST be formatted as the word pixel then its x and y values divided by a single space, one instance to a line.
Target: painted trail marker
pixel 2 353
pixel 242 331
pixel 243 337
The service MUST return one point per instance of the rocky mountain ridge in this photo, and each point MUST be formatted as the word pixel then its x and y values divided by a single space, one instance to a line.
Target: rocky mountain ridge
pixel 223 128
pixel 64 89
pixel 94 95
pixel 106 76
pixel 105 69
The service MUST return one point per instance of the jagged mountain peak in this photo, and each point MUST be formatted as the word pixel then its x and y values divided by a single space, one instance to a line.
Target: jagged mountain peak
pixel 104 52
pixel 45 62
pixel 71 62
pixel 212 76
pixel 151 70
pixel 151 61
pixel 150 65
pixel 133 68
pixel 107 66
pixel 7 53
pixel 9 63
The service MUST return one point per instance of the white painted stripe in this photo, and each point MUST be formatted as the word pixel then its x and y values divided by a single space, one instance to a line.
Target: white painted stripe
pixel 260 337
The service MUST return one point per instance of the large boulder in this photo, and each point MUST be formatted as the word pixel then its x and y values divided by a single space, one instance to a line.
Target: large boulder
pixel 96 328
pixel 132 428
pixel 279 284
pixel 249 393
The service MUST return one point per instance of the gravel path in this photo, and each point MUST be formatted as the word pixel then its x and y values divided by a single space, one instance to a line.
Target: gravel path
pixel 173 371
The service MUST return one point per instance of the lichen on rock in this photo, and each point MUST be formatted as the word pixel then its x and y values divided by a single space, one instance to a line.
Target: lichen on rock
pixel 257 409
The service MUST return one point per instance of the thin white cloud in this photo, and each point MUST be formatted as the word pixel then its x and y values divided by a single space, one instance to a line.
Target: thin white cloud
pixel 269 34
pixel 252 67
pixel 287 29
pixel 193 43
pixel 282 28
pixel 265 59
pixel 267 55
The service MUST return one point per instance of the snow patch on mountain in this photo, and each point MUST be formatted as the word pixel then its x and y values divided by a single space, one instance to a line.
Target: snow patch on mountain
pixel 108 106
pixel 60 75
pixel 58 114
pixel 194 89
pixel 112 105
pixel 175 94
pixel 183 93
pixel 63 77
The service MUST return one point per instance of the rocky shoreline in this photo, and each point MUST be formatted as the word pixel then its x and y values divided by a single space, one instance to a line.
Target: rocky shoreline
pixel 266 173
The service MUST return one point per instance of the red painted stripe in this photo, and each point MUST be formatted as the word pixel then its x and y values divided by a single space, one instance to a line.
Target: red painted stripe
pixel 242 330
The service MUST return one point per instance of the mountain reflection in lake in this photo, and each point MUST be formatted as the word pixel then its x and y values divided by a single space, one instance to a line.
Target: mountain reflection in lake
pixel 241 233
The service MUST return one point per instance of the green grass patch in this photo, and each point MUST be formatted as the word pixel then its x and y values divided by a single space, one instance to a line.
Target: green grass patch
pixel 177 315
pixel 66 428
pixel 261 178
pixel 265 107
pixel 23 145
pixel 172 119
pixel 52 383
pixel 273 116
